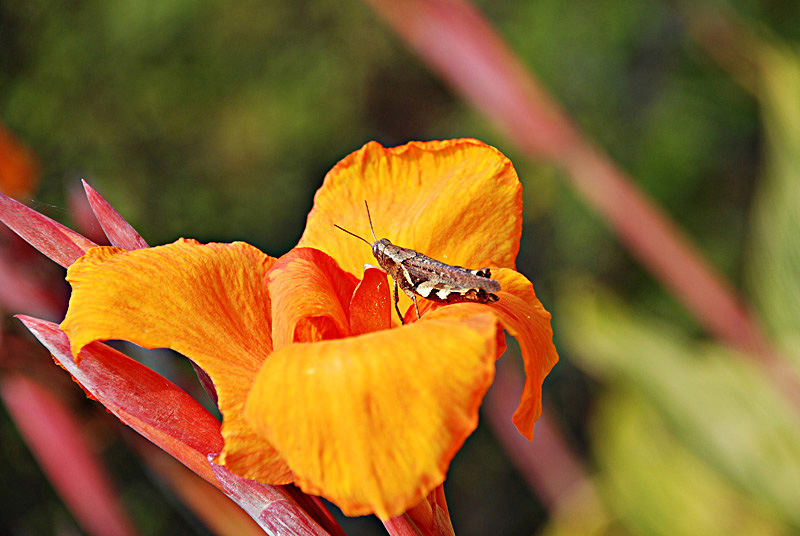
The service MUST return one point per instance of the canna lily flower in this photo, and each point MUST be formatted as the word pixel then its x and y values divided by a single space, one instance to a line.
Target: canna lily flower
pixel 317 382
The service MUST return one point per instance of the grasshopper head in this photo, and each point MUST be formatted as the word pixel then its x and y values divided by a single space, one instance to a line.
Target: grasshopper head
pixel 379 252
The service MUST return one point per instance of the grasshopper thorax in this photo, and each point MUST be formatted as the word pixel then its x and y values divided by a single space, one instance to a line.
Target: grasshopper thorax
pixel 382 251
pixel 379 246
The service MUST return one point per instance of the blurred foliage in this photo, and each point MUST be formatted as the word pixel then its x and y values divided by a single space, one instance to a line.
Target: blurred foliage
pixel 775 249
pixel 691 427
pixel 661 488
pixel 699 398
pixel 218 121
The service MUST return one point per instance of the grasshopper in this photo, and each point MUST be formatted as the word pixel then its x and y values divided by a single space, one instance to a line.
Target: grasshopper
pixel 418 274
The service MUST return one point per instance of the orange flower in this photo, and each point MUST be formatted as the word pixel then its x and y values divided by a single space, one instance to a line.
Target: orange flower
pixel 316 381
pixel 19 169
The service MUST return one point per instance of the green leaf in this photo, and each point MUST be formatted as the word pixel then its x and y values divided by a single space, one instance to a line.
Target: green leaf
pixel 717 404
pixel 774 256
pixel 658 487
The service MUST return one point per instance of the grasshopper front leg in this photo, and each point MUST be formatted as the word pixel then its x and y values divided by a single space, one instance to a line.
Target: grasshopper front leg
pixel 414 298
pixel 397 302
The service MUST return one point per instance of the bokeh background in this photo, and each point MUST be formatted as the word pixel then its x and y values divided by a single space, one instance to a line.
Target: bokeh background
pixel 218 121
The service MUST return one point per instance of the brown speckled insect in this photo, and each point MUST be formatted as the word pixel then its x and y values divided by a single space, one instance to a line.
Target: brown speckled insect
pixel 418 274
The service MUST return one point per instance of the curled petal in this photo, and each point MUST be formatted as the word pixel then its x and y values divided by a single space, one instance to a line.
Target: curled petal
pixel 310 297
pixel 371 305
pixel 524 317
pixel 372 422
pixel 207 302
pixel 458 201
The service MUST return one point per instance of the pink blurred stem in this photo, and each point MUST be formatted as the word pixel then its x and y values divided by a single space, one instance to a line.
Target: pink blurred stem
pixel 460 45
pixel 457 43
pixel 56 440
pixel 663 248
pixel 547 464
pixel 725 38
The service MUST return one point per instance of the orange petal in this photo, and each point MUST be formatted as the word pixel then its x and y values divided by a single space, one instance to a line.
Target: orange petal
pixel 372 422
pixel 458 201
pixel 207 302
pixel 525 318
pixel 371 305
pixel 310 298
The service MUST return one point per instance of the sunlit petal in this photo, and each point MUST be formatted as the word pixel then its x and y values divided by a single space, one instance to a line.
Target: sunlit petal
pixel 208 302
pixel 458 201
pixel 525 318
pixel 372 422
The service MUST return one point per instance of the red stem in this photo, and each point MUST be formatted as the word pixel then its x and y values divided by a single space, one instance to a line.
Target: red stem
pixel 401 526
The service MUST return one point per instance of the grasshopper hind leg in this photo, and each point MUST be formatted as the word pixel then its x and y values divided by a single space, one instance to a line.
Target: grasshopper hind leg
pixel 413 297
pixel 397 302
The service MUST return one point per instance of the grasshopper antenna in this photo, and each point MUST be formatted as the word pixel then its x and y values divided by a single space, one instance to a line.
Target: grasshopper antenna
pixel 370 222
pixel 354 234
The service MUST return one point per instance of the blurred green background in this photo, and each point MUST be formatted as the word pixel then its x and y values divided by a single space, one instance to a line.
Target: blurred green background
pixel 218 121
